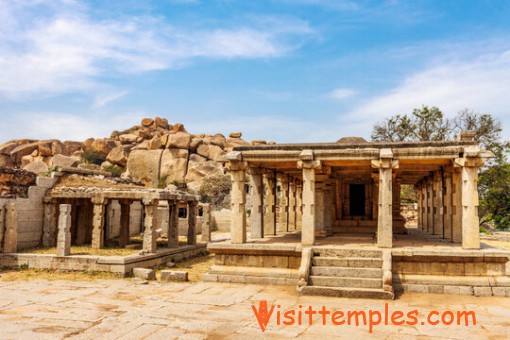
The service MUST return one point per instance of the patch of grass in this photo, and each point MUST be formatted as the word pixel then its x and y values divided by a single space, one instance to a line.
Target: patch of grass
pixel 86 250
pixel 115 170
pixel 53 275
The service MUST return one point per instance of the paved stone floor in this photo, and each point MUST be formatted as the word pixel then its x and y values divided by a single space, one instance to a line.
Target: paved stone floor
pixel 127 309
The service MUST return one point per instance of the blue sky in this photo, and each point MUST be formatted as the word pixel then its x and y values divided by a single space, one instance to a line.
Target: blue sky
pixel 282 70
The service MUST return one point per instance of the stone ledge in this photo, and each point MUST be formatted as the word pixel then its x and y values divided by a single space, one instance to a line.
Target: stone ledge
pixel 482 281
pixel 255 249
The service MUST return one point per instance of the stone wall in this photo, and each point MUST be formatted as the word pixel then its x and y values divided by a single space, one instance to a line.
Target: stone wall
pixel 220 220
pixel 22 228
pixel 15 182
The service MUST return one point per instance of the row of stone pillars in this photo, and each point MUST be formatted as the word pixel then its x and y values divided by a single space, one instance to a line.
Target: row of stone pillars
pixel 448 203
pixel 98 224
pixel 307 204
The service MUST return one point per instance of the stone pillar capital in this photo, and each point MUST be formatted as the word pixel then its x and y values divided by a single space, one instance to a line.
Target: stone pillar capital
pixel 308 164
pixel 235 165
pixel 99 200
pixel 384 163
pixel 150 201
pixel 256 171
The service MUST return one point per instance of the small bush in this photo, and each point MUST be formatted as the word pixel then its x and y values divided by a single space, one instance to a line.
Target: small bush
pixel 93 157
pixel 215 189
pixel 115 170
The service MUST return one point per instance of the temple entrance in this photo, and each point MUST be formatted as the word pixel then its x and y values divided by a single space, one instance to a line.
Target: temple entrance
pixel 357 199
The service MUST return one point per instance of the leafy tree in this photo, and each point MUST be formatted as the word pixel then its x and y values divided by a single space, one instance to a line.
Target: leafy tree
pixel 215 189
pixel 429 124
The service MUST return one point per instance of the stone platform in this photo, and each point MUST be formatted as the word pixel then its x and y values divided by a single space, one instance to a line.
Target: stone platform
pixel 121 265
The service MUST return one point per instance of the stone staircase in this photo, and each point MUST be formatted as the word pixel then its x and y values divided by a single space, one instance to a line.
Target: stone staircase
pixel 340 272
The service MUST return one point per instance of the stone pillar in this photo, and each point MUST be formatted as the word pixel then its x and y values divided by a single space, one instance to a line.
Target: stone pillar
pixel 173 224
pixel 329 210
pixel 270 204
pixel 292 205
pixel 150 224
pixel 11 228
pixel 469 173
pixel 299 206
pixel 398 219
pixel 419 193
pixel 206 223
pixel 338 200
pixel 308 164
pixel 125 207
pixel 283 223
pixel 456 206
pixel 430 206
pixel 375 195
pixel 64 231
pixel 320 230
pixel 386 164
pixel 238 201
pixel 2 226
pixel 192 222
pixel 438 203
pixel 257 199
pixel 49 222
pixel 98 222
pixel 447 210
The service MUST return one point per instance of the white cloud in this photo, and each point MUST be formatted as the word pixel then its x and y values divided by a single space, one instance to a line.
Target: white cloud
pixel 64 126
pixel 103 100
pixel 342 93
pixel 480 84
pixel 58 47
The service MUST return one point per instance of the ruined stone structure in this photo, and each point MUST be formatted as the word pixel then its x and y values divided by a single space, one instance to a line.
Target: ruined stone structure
pixel 325 193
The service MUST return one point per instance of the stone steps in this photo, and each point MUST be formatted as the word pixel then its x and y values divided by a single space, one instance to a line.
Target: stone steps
pixel 359 262
pixel 353 282
pixel 346 253
pixel 374 273
pixel 345 292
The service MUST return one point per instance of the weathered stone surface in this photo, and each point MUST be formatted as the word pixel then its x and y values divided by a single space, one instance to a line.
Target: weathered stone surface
pixel 195 142
pixel 36 167
pixel 70 147
pixel 174 275
pixel 155 143
pixel 218 140
pixel 160 123
pixel 198 168
pixel 233 142
pixel 118 155
pixel 64 231
pixel 212 152
pixel 63 161
pixel 147 122
pixel 128 138
pixel 144 165
pixel 173 165
pixel 349 140
pixel 6 161
pixel 23 150
pixel 235 135
pixel 87 144
pixel 103 146
pixel 178 127
pixel 144 273
pixel 258 142
pixel 179 140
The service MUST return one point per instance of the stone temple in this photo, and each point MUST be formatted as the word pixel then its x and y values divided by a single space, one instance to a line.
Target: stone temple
pixel 326 217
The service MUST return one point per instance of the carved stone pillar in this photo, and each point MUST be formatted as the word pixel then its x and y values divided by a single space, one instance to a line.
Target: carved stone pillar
pixel 11 228
pixel 173 224
pixel 438 203
pixel 299 206
pixel 257 199
pixel 283 223
pixel 125 207
pixel 98 222
pixel 385 164
pixel 192 222
pixel 320 230
pixel 447 210
pixel 308 164
pixel 237 169
pixel 430 206
pixel 270 204
pixel 206 223
pixel 49 222
pixel 456 206
pixel 150 225
pixel 292 205
pixel 64 231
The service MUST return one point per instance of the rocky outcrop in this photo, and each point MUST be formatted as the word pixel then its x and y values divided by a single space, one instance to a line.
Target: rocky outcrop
pixel 15 182
pixel 155 153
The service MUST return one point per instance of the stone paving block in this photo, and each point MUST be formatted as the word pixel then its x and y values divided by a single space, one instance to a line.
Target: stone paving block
pixel 144 273
pixel 483 291
pixel 174 275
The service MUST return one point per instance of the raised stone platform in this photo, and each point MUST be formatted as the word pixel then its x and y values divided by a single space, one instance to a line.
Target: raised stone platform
pixel 121 265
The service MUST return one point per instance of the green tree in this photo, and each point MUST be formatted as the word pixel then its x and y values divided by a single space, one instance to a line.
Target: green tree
pixel 215 189
pixel 429 124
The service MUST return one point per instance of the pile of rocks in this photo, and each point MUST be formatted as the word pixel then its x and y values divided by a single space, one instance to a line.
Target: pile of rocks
pixel 154 153
pixel 15 182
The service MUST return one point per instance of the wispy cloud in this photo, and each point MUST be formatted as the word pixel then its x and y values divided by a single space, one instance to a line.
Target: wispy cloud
pixel 103 100
pixel 479 84
pixel 66 49
pixel 342 93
